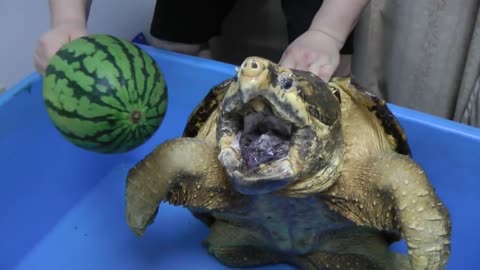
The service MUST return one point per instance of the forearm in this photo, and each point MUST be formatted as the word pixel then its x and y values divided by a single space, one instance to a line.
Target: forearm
pixel 337 18
pixel 62 11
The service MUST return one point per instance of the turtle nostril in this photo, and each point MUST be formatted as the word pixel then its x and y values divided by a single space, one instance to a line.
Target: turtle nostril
pixel 251 67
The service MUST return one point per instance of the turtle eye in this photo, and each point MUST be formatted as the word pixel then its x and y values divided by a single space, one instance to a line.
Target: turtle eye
pixel 336 92
pixel 286 82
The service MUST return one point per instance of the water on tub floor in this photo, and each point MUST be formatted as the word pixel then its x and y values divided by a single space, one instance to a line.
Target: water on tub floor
pixel 94 235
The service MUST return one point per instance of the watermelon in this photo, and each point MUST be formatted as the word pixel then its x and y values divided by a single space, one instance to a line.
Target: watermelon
pixel 104 94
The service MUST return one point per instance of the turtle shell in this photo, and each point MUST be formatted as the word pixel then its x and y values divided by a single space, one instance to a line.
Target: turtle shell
pixel 378 107
pixel 203 110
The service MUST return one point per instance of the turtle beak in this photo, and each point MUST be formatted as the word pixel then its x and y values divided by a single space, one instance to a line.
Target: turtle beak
pixel 252 77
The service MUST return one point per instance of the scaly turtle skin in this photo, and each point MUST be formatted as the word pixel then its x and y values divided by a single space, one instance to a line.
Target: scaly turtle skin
pixel 285 168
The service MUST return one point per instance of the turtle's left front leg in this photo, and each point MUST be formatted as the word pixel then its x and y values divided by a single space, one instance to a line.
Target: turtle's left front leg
pixel 182 171
pixel 416 211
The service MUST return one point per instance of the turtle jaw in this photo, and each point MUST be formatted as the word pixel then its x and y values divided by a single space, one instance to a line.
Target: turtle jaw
pixel 259 148
pixel 269 178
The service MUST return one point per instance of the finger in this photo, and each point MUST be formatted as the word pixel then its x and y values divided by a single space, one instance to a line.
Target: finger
pixel 302 65
pixel 39 65
pixel 43 54
pixel 38 58
pixel 51 51
pixel 287 60
pixel 324 71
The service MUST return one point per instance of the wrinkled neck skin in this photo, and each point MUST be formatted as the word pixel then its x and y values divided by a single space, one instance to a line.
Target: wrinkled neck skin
pixel 312 161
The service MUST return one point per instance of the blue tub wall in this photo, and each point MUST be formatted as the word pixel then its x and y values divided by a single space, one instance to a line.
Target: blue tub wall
pixel 42 192
pixel 43 176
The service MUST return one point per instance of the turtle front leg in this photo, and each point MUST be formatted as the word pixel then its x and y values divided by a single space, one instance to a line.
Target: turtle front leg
pixel 408 204
pixel 182 171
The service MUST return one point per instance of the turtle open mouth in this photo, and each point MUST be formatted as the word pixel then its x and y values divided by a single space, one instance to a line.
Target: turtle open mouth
pixel 264 138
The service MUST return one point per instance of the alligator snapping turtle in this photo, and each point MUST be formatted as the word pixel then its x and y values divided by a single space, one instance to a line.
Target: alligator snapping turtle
pixel 285 168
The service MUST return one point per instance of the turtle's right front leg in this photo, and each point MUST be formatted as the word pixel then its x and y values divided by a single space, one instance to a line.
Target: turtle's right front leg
pixel 182 171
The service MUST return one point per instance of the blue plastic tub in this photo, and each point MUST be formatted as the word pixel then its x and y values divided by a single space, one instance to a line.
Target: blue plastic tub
pixel 63 208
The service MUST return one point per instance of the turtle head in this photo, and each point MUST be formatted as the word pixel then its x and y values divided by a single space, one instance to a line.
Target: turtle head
pixel 279 130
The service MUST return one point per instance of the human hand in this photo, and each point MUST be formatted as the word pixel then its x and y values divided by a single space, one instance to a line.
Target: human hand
pixel 53 40
pixel 313 51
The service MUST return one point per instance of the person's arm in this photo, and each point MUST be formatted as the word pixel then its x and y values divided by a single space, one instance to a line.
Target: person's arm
pixel 318 49
pixel 62 12
pixel 337 18
pixel 68 21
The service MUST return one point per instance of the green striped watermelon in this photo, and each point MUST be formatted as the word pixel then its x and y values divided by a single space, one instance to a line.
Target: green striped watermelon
pixel 104 94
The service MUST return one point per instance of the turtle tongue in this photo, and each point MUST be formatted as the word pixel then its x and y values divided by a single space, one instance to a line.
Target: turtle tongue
pixel 258 149
pixel 264 138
